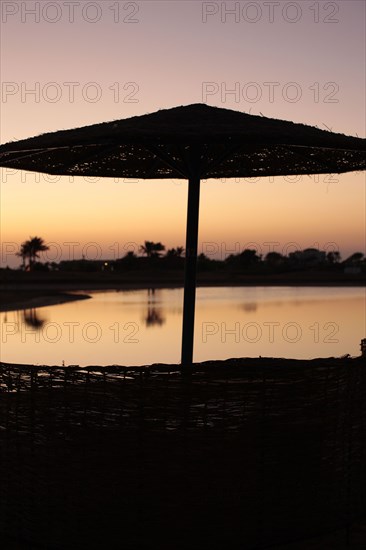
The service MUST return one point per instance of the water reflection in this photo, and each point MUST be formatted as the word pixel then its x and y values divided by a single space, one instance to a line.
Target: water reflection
pixel 154 315
pixel 140 327
pixel 32 318
pixel 249 306
pixel 151 294
pixel 26 317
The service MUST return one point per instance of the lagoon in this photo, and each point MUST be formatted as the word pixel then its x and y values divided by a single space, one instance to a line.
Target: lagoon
pixel 140 327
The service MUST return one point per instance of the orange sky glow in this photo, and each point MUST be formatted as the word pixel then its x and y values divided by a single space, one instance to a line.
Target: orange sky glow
pixel 142 59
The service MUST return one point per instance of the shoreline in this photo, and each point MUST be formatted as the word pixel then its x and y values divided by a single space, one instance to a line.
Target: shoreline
pixel 15 297
pixel 42 300
pixel 232 365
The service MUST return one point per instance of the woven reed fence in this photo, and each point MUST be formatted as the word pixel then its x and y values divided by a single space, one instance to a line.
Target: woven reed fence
pixel 241 454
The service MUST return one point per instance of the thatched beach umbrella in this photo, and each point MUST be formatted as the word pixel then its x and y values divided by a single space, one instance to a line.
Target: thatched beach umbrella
pixel 190 142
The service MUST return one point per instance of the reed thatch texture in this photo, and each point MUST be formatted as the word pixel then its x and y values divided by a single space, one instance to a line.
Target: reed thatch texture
pixel 156 146
pixel 241 454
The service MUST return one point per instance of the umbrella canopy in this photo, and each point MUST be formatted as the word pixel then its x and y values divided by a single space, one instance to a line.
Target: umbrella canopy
pixel 156 146
pixel 190 142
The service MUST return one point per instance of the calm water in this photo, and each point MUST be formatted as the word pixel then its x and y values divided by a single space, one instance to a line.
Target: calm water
pixel 143 327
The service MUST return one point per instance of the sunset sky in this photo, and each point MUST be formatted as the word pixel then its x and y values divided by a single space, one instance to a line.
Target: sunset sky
pixel 68 64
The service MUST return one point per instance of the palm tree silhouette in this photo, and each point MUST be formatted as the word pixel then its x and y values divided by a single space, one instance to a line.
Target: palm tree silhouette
pixel 24 253
pixel 30 249
pixel 151 249
pixel 176 252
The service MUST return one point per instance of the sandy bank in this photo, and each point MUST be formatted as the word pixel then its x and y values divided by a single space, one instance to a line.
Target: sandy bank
pixel 12 301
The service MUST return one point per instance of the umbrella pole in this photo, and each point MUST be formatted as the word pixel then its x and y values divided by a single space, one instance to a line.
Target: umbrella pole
pixel 190 271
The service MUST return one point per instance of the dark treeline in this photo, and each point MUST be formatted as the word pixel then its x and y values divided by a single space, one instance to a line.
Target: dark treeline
pixel 154 256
